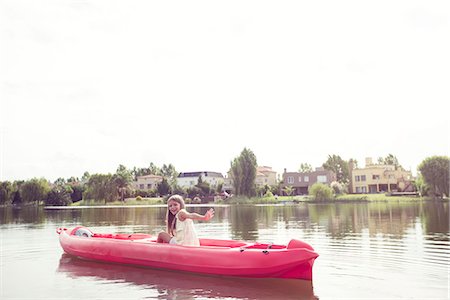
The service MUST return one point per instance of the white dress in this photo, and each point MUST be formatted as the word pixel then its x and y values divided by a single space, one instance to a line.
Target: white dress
pixel 185 232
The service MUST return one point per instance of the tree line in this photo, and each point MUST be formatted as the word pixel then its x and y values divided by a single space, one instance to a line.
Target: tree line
pixel 432 180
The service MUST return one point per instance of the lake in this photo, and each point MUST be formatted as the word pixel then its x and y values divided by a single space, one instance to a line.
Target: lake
pixel 383 250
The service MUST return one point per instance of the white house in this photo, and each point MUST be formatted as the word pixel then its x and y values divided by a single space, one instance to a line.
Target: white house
pixel 147 182
pixel 190 179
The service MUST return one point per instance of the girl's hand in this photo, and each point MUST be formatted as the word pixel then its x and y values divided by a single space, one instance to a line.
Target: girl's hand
pixel 209 214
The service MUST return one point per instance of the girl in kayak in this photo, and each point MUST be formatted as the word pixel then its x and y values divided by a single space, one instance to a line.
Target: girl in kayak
pixel 180 225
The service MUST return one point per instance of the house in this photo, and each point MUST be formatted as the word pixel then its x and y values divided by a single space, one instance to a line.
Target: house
pixel 265 175
pixel 190 179
pixel 302 181
pixel 147 182
pixel 379 178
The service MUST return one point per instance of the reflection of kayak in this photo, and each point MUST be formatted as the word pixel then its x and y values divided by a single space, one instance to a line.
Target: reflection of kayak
pixel 183 285
pixel 214 257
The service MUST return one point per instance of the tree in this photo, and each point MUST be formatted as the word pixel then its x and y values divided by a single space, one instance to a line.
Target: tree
pixel 321 192
pixel 34 190
pixel 339 166
pixel 288 190
pixel 77 193
pixel 390 159
pixel 203 186
pixel 101 187
pixel 305 168
pixel 243 172
pixel 435 171
pixel 122 180
pixel 6 192
pixel 58 196
pixel 164 187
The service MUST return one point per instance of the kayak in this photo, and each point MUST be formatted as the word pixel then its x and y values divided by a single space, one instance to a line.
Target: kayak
pixel 214 256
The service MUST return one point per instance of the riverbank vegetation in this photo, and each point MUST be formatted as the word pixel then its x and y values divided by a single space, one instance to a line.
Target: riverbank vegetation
pixel 432 182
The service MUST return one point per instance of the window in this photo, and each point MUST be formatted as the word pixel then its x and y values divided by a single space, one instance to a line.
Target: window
pixel 363 177
pixel 299 178
pixel 290 179
pixel 375 177
pixel 149 185
pixel 141 186
pixel 357 178
pixel 322 178
pixel 306 178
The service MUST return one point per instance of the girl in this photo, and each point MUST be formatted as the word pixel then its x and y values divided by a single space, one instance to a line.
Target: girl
pixel 180 227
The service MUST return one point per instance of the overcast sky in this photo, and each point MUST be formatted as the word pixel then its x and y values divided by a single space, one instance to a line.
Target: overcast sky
pixel 87 85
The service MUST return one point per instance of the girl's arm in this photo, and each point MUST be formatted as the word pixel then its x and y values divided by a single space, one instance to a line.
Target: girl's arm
pixel 183 215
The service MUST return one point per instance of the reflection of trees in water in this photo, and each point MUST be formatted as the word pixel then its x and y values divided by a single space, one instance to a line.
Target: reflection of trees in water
pixel 435 217
pixel 389 218
pixel 339 220
pixel 25 215
pixel 244 222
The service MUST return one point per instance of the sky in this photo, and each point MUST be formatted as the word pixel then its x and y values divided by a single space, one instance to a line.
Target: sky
pixel 88 85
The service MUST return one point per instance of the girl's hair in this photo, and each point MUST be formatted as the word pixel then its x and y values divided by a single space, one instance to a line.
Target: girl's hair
pixel 171 220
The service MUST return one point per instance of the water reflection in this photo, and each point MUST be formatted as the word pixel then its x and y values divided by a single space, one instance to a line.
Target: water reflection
pixel 174 285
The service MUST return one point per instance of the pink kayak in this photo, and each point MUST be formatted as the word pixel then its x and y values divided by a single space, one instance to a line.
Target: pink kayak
pixel 214 256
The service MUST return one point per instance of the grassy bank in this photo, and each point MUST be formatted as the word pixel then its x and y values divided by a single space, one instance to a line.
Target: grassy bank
pixel 267 200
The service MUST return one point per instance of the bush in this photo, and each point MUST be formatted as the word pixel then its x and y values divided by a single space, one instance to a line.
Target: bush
pixel 138 198
pixel 58 196
pixel 268 194
pixel 321 192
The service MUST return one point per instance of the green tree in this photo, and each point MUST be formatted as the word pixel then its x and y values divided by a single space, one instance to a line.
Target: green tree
pixel 435 171
pixel 339 166
pixel 85 177
pixel 164 187
pixel 58 196
pixel 34 190
pixel 305 168
pixel 390 159
pixel 6 192
pixel 16 198
pixel 122 180
pixel 77 192
pixel 169 172
pixel 321 192
pixel 101 187
pixel 204 186
pixel 243 171
pixel 288 190
pixel 421 185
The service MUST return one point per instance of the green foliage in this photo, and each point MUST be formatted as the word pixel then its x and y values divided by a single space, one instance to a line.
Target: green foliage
pixel 268 194
pixel 338 188
pixel 435 171
pixel 321 192
pixel 305 168
pixel 77 193
pixel 58 196
pixel 138 198
pixel 164 187
pixel 243 171
pixel 390 159
pixel 288 190
pixel 6 192
pixel 101 187
pixel 122 180
pixel 339 166
pixel 34 190
pixel 205 188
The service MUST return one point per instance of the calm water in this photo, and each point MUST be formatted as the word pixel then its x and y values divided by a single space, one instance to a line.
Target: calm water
pixel 367 251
